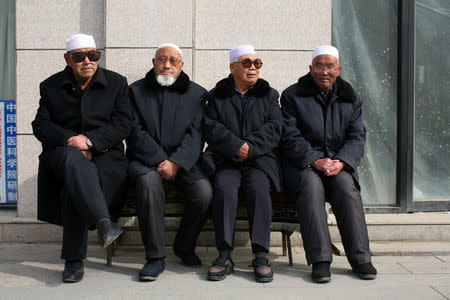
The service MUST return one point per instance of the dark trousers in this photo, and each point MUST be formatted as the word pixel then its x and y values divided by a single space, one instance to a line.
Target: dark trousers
pixel 256 187
pixel 83 202
pixel 150 200
pixel 345 199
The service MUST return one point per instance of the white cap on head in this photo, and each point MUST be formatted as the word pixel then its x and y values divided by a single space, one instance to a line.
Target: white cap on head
pixel 80 40
pixel 170 45
pixel 241 50
pixel 326 50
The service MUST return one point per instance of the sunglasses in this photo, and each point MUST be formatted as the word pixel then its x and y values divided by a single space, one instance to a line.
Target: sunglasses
pixel 247 63
pixel 172 60
pixel 320 68
pixel 93 55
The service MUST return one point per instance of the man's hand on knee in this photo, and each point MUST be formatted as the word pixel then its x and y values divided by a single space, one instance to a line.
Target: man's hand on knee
pixel 79 142
pixel 167 170
pixel 87 154
pixel 322 164
pixel 336 168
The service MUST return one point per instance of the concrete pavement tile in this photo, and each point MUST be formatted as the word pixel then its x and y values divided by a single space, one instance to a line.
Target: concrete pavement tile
pixel 410 248
pixel 21 251
pixel 444 258
pixel 402 248
pixel 28 273
pixel 413 279
pixel 427 268
pixel 34 271
pixel 339 266
pixel 444 290
pixel 410 293
pixel 405 259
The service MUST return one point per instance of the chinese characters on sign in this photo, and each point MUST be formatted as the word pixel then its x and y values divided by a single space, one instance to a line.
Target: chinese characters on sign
pixel 8 160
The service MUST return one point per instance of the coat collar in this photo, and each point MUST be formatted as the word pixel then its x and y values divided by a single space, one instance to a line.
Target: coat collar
pixel 306 87
pixel 180 86
pixel 98 78
pixel 225 88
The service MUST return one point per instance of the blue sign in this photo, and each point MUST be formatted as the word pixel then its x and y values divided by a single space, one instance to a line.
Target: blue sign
pixel 8 158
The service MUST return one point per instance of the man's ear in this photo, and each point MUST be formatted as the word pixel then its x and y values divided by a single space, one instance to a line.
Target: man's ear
pixel 232 66
pixel 67 58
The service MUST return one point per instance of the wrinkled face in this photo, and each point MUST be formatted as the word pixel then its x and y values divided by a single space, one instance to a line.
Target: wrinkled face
pixel 324 69
pixel 82 71
pixel 167 62
pixel 245 76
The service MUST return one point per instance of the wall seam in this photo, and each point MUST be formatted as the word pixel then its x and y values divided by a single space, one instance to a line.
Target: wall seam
pixel 194 15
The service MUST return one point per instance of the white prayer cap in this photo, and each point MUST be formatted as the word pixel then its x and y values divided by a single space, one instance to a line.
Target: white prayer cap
pixel 80 40
pixel 241 50
pixel 326 50
pixel 170 45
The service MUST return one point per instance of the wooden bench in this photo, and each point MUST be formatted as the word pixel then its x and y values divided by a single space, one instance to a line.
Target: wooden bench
pixel 284 217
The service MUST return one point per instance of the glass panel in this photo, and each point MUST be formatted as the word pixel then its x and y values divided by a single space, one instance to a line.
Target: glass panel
pixel 7 50
pixel 432 100
pixel 8 161
pixel 365 32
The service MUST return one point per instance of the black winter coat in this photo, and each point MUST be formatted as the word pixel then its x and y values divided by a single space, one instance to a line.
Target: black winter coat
pixel 227 127
pixel 102 112
pixel 167 125
pixel 312 129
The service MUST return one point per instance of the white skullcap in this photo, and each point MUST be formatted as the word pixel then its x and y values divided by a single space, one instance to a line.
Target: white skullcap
pixel 326 50
pixel 170 45
pixel 80 40
pixel 241 50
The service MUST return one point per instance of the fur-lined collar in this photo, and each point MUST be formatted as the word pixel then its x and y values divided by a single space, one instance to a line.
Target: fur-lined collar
pixel 180 86
pixel 306 87
pixel 225 88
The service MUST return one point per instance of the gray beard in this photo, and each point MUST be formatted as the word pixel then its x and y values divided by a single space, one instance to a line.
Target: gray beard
pixel 165 80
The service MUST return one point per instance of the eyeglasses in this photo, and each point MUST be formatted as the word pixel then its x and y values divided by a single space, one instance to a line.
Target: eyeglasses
pixel 247 63
pixel 172 60
pixel 93 55
pixel 320 68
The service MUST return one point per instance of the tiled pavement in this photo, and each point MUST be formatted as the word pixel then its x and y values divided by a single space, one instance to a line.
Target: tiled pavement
pixel 33 271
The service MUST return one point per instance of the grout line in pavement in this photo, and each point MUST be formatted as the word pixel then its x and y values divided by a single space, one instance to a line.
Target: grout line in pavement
pixel 437 291
pixel 405 268
pixel 439 258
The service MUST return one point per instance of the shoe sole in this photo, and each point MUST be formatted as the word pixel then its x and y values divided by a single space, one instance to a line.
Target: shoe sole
pixel 367 276
pixel 264 279
pixel 321 279
pixel 112 238
pixel 69 280
pixel 220 277
pixel 148 278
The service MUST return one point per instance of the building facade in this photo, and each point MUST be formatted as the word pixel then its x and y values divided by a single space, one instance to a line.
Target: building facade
pixel 392 52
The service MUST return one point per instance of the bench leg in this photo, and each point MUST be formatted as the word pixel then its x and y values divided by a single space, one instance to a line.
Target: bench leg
pixel 109 254
pixel 284 241
pixel 288 238
pixel 113 250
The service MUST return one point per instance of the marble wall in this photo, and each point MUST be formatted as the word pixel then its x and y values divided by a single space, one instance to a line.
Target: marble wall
pixel 284 34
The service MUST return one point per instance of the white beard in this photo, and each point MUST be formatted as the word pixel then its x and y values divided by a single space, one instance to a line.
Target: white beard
pixel 165 80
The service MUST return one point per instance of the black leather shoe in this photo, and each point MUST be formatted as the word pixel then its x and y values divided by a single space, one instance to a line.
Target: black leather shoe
pixel 73 271
pixel 365 271
pixel 190 260
pixel 321 272
pixel 107 232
